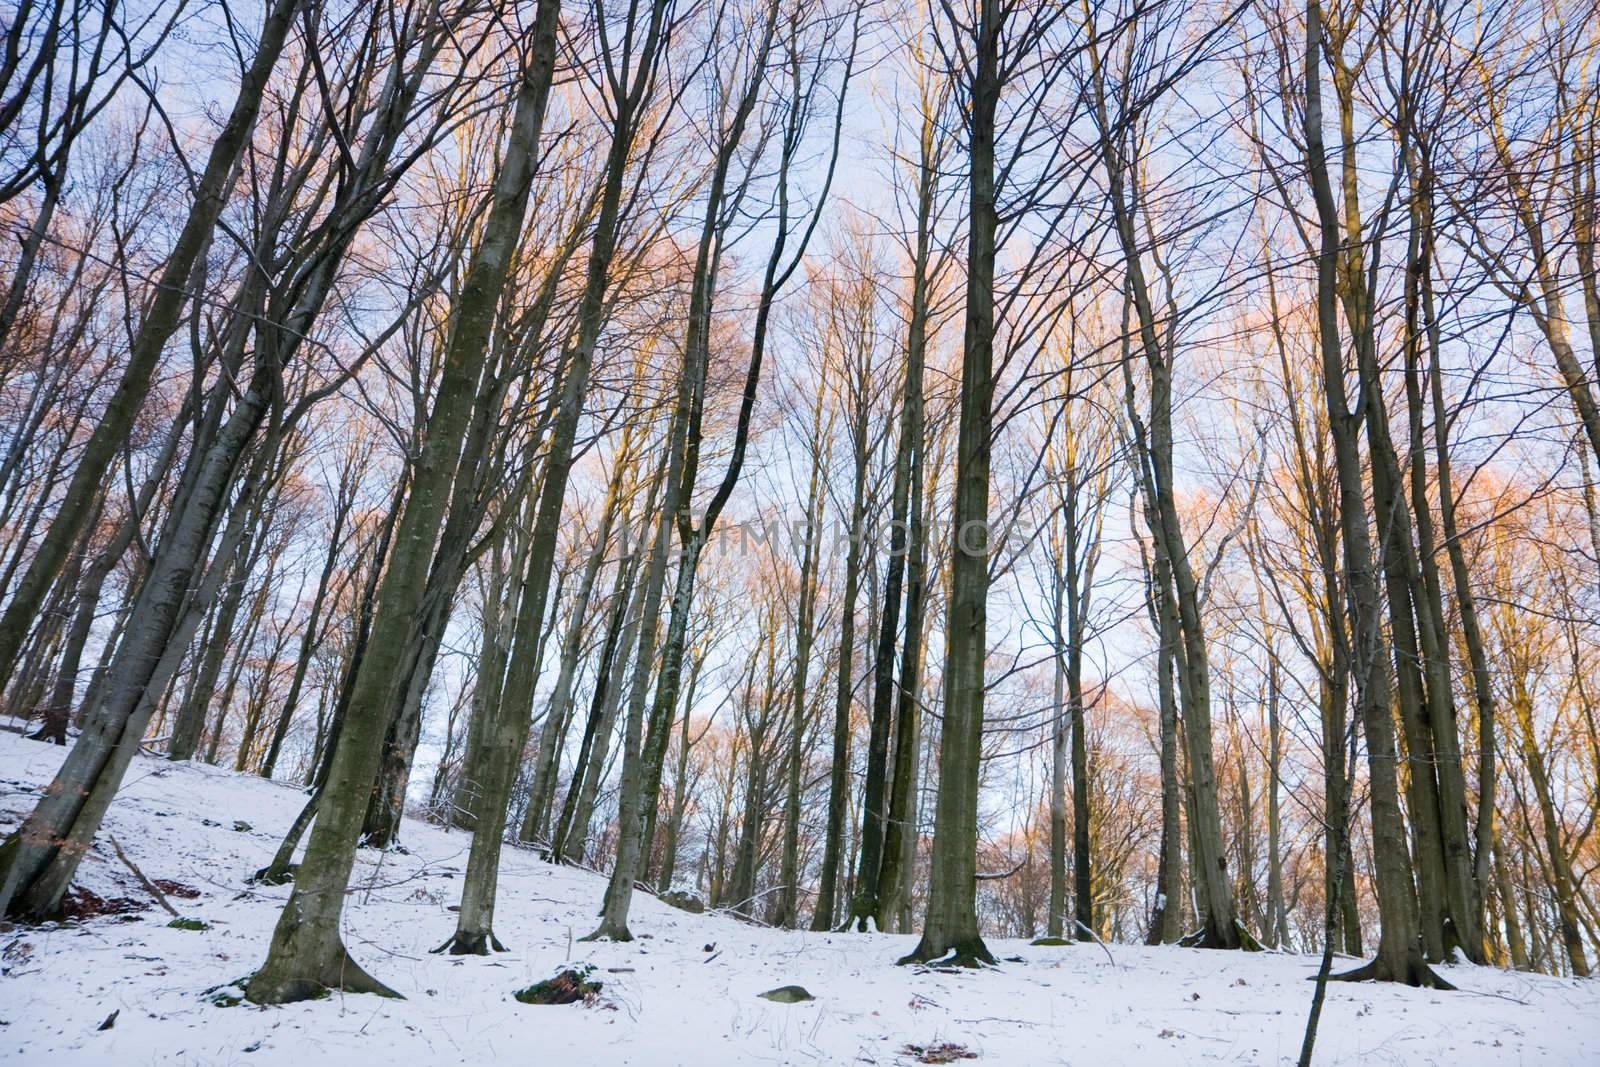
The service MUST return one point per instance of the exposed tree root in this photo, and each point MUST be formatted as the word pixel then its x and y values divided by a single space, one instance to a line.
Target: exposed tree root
pixel 1419 975
pixel 53 734
pixel 1207 937
pixel 609 931
pixel 471 943
pixel 275 874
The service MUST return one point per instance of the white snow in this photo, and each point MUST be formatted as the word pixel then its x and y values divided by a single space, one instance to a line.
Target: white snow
pixel 669 1000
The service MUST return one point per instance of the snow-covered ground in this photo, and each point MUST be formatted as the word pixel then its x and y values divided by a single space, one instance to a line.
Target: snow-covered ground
pixel 685 992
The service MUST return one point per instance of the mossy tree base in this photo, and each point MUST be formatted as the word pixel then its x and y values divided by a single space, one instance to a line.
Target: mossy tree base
pixel 288 983
pixel 1249 942
pixel 964 952
pixel 863 916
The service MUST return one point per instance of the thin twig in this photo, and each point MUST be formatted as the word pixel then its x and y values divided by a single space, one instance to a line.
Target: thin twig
pixel 150 887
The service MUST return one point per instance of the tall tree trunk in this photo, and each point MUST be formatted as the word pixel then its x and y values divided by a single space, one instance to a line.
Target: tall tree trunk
pixel 559 716
pixel 874 830
pixel 1421 783
pixel 1276 928
pixel 1166 926
pixel 950 931
pixel 1461 893
pixel 1082 851
pixel 1466 603
pixel 505 736
pixel 1508 907
pixel 743 890
pixel 629 597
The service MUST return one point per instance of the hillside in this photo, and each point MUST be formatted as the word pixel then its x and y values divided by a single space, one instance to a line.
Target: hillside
pixel 684 993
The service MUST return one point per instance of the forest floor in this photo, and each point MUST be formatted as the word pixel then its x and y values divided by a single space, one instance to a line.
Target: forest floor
pixel 684 992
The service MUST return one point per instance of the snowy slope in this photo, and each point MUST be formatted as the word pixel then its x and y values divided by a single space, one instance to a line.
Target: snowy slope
pixel 672 1002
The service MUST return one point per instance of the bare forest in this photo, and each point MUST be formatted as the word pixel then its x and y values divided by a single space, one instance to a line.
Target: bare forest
pixel 1107 471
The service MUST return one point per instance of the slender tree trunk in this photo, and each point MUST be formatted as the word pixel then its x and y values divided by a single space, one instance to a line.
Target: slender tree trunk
pixel 755 796
pixel 900 837
pixel 1416 715
pixel 559 715
pixel 629 598
pixel 1461 894
pixel 577 812
pixel 313 633
pixel 1082 850
pixel 839 774
pixel 874 832
pixel 787 913
pixel 680 785
pixel 1215 888
pixel 1166 925
pixel 1276 928
pixel 1059 735
pixel 1466 603
pixel 505 734
pixel 1508 907
pixel 1560 865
